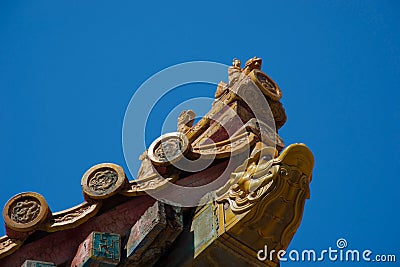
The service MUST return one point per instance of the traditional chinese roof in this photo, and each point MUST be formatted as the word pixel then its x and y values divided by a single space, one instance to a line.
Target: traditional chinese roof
pixel 260 187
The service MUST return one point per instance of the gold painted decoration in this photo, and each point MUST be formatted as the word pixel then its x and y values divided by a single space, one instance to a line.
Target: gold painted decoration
pixel 252 64
pixel 261 205
pixel 258 175
pixel 8 246
pixel 282 207
pixel 153 182
pixel 72 217
pixel 249 182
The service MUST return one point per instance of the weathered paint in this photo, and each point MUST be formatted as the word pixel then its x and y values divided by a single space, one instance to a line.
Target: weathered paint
pixel 32 263
pixel 103 249
pixel 60 247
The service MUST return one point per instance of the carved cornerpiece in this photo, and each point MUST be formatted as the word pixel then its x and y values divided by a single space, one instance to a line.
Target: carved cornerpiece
pixel 273 192
pixel 257 177
pixel 261 205
pixel 260 188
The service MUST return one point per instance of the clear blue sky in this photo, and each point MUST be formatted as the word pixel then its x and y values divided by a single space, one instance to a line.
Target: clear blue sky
pixel 69 68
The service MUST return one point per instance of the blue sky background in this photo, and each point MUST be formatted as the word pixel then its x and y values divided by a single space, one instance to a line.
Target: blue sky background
pixel 69 68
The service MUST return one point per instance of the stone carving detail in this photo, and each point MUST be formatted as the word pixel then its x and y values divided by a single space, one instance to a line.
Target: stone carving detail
pixel 73 215
pixel 168 148
pixel 25 210
pixel 150 183
pixel 265 82
pixel 103 180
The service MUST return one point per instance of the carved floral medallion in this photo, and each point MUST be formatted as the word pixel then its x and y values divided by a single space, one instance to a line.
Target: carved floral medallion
pixel 103 180
pixel 25 211
pixel 168 148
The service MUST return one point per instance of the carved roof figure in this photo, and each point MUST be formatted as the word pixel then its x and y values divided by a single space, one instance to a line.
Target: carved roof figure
pixel 251 64
pixel 185 120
